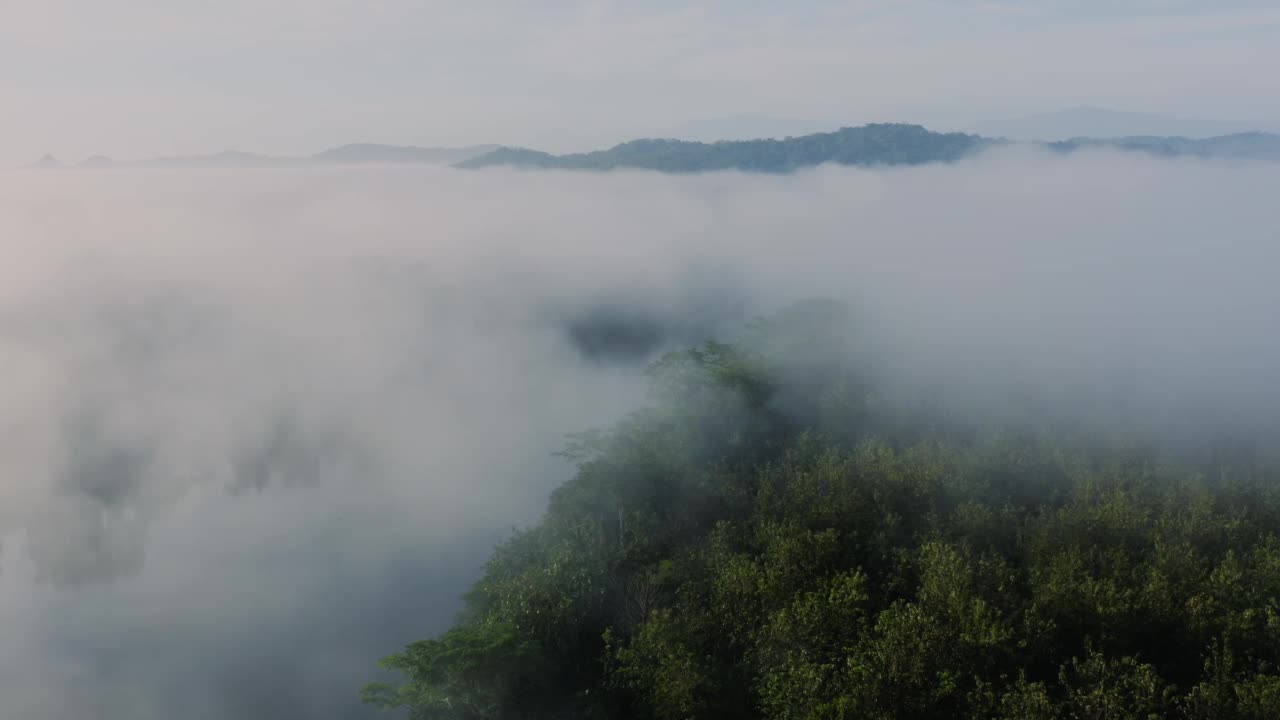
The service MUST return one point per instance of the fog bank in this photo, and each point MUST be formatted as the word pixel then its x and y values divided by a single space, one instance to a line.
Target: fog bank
pixel 262 427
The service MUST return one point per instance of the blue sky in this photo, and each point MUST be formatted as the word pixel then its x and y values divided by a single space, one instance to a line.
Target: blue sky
pixel 137 78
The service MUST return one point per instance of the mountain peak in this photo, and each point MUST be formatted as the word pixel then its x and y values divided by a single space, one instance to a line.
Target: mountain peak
pixel 48 162
pixel 97 161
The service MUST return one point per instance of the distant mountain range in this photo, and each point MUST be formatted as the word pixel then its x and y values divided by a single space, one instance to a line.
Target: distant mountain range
pixel 359 153
pixel 1238 146
pixel 1064 124
pixel 879 144
pixel 868 145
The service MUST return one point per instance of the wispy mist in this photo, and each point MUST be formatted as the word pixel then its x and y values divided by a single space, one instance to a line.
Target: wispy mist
pixel 262 427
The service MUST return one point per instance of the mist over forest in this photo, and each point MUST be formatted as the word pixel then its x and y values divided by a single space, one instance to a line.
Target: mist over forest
pixel 263 428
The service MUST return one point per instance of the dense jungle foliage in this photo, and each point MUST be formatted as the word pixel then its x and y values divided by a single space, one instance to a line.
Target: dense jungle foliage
pixel 771 538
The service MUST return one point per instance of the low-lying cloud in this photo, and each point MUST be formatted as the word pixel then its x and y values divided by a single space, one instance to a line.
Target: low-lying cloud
pixel 262 427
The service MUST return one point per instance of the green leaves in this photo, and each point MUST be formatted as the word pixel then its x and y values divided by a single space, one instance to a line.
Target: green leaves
pixel 473 672
pixel 661 668
pixel 756 543
pixel 1114 689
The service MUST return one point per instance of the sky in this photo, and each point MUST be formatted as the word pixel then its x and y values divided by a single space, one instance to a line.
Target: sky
pixel 143 78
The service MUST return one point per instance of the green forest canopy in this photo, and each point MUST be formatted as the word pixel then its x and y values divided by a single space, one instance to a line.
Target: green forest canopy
pixel 769 538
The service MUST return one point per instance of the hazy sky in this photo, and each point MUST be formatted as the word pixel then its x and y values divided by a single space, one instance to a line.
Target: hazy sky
pixel 135 78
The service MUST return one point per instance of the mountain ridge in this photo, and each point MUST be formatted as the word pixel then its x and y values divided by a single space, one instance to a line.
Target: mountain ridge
pixel 865 146
pixel 375 152
pixel 877 144
pixel 874 144
pixel 350 154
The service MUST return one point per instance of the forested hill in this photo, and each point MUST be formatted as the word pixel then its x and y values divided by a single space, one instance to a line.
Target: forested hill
pixel 869 145
pixel 774 536
pixel 884 144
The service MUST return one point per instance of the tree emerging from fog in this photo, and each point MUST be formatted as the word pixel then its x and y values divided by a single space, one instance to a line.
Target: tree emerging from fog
pixel 772 536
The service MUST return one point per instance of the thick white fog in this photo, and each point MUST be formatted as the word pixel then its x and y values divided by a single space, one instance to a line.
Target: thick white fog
pixel 262 427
